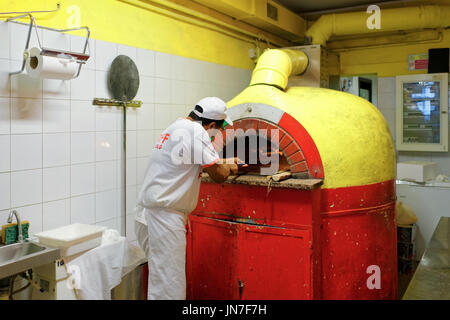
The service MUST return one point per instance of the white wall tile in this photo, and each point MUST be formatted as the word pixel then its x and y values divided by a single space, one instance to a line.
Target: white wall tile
pixel 5 153
pixel 163 116
pixel 107 118
pixel 18 38
pixel 110 224
pixel 82 209
pixel 105 53
pixel 33 214
pixel 146 90
pixel 106 205
pixel 131 236
pixel 413 156
pixel 162 90
pixel 386 100
pixel 26 187
pixel 82 116
pixel 118 165
pixel 131 52
pixel 83 87
pixel 4 36
pixel 56 116
pixel 56 89
pixel 26 115
pixel 131 118
pixel 178 111
pixel 55 214
pixel 119 145
pixel 5 80
pixel 131 144
pixel 442 161
pixel 178 68
pixel 105 146
pixel 145 142
pixel 56 149
pixel 82 179
pixel 77 45
pixel 4 214
pixel 5 121
pixel 82 147
pixel 105 175
pixel 101 85
pixel 145 61
pixel 177 92
pixel 142 164
pixel 131 199
pixel 5 191
pixel 24 86
pixel 193 93
pixel 163 65
pixel 55 40
pixel 146 117
pixel 389 116
pixel 131 171
pixel 386 85
pixel 56 183
pixel 193 70
pixel 26 151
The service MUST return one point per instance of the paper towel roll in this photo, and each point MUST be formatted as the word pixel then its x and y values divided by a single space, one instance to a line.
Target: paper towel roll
pixel 39 66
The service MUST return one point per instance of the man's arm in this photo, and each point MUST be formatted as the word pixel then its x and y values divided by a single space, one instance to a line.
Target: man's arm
pixel 219 172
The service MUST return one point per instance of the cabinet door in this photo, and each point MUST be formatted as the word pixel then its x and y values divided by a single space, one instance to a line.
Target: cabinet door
pixel 274 263
pixel 229 260
pixel 211 259
pixel 422 112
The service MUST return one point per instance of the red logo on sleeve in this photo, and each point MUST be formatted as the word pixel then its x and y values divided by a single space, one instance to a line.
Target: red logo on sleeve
pixel 163 138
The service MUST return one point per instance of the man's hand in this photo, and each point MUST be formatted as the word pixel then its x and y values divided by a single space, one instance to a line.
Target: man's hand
pixel 220 171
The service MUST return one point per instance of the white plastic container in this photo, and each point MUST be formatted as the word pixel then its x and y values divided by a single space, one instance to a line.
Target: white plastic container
pixel 73 238
pixel 419 171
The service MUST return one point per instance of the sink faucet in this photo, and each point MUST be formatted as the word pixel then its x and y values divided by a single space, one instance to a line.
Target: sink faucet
pixel 19 224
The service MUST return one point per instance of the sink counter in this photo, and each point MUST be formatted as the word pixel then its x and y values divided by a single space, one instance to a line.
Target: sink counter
pixel 19 257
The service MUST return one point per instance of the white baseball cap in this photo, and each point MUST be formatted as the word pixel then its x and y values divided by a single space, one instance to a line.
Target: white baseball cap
pixel 212 108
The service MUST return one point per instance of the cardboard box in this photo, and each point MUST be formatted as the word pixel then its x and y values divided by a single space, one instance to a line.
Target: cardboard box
pixel 419 171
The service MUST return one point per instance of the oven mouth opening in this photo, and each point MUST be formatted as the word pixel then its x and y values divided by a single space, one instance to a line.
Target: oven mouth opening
pixel 261 155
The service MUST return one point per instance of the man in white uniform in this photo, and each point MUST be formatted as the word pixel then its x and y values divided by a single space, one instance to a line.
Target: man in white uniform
pixel 170 192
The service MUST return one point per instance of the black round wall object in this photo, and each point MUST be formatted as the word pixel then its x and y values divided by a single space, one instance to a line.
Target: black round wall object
pixel 123 78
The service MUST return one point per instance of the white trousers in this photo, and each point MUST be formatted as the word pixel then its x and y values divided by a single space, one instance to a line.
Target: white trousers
pixel 167 254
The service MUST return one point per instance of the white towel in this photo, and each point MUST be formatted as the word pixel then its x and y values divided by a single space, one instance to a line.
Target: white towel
pixel 100 269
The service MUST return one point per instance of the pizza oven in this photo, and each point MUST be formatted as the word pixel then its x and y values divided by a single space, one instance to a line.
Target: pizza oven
pixel 327 231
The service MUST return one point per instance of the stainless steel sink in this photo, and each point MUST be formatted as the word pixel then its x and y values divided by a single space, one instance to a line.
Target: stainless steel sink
pixel 18 257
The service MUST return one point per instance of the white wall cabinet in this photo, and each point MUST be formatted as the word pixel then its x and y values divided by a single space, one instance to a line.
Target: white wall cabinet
pixel 422 112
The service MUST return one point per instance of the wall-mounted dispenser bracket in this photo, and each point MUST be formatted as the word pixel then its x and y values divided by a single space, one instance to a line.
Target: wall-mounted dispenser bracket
pixel 116 103
pixel 79 57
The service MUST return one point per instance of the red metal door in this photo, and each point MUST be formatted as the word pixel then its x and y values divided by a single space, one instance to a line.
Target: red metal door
pixel 229 260
pixel 274 263
pixel 211 255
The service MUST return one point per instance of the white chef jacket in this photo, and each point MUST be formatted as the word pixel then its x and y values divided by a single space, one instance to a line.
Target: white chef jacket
pixel 172 178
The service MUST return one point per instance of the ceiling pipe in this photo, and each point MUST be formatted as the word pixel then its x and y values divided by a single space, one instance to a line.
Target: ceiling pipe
pixel 409 18
pixel 275 66
pixel 355 8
